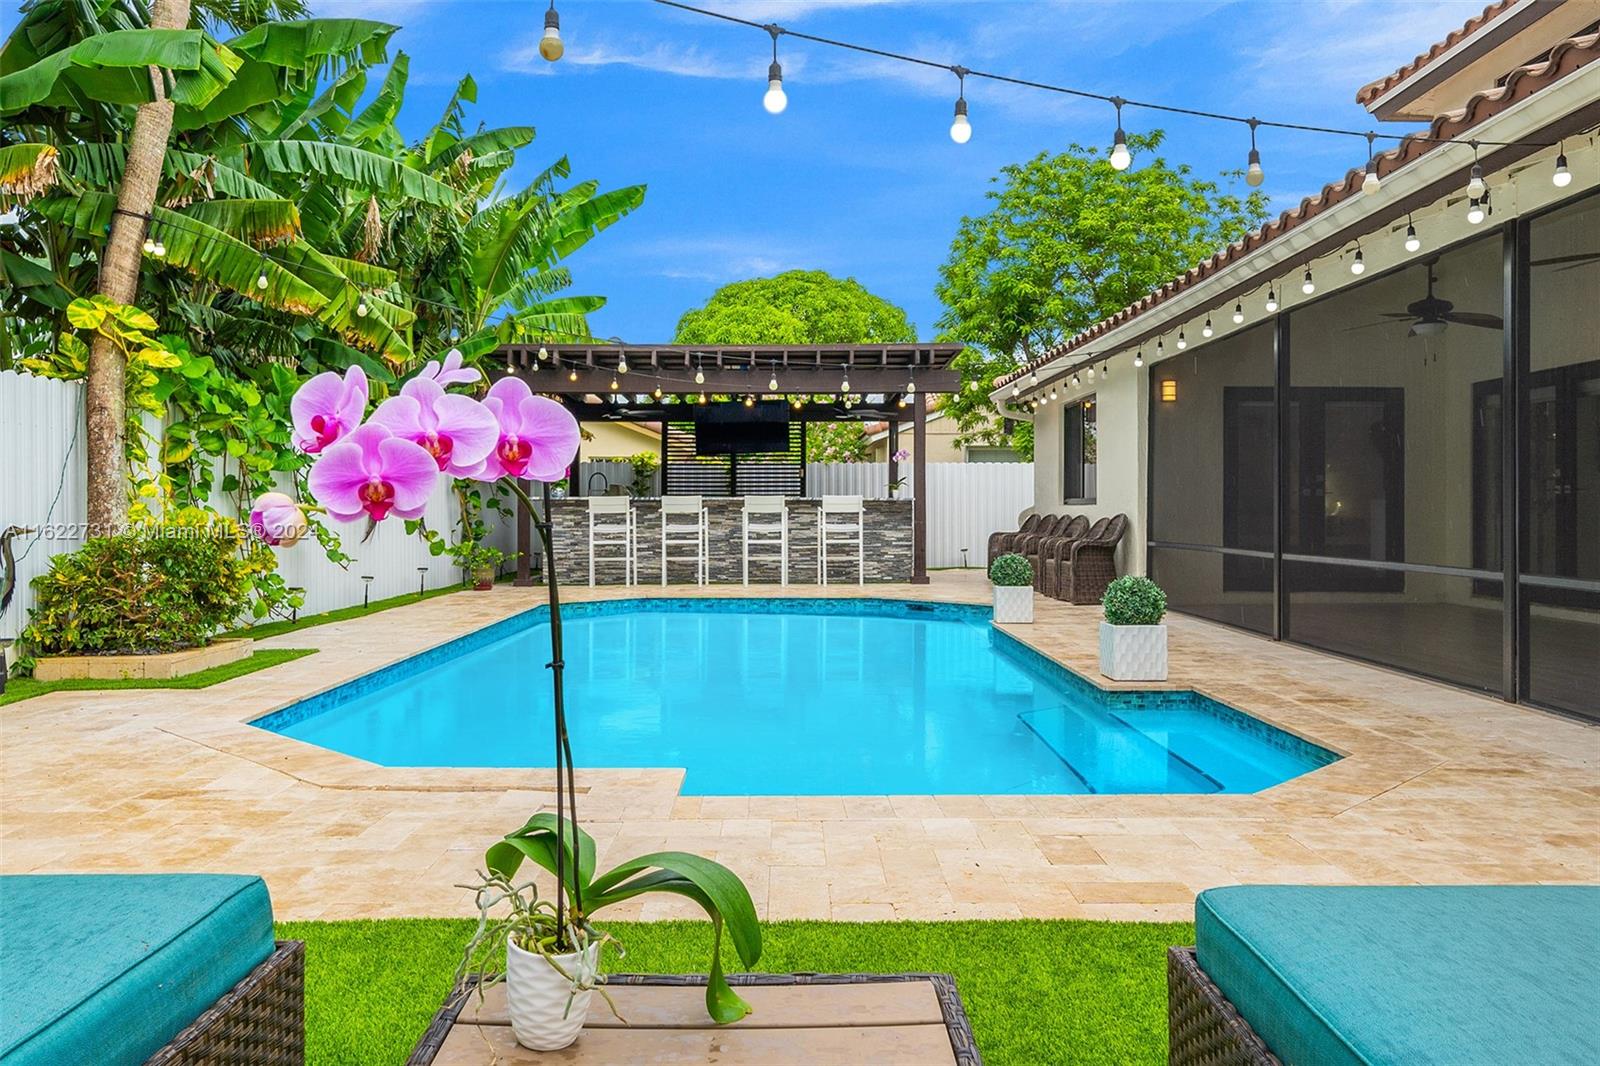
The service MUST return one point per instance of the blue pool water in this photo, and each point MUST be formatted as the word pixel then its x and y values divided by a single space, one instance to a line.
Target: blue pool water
pixel 795 697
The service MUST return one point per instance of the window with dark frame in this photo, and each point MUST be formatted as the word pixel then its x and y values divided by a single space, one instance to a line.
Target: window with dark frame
pixel 1078 463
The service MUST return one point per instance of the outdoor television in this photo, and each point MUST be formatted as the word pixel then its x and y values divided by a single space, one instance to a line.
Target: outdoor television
pixel 734 429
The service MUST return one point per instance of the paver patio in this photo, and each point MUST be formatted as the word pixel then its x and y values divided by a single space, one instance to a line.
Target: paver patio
pixel 1438 785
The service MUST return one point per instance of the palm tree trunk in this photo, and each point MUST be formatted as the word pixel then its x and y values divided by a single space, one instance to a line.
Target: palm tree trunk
pixel 105 396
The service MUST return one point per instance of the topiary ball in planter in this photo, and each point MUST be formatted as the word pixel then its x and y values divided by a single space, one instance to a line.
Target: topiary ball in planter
pixel 1133 642
pixel 1012 577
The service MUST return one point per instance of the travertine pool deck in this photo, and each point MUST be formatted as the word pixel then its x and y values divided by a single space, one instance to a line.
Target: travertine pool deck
pixel 1437 785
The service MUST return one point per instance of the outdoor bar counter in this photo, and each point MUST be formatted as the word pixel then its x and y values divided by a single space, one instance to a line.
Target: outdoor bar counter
pixel 886 534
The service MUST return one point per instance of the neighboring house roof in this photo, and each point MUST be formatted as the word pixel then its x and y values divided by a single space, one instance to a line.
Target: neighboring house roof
pixel 1564 59
pixel 1374 89
pixel 876 431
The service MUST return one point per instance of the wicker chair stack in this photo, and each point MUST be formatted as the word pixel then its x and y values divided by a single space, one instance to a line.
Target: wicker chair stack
pixel 1001 543
pixel 1079 570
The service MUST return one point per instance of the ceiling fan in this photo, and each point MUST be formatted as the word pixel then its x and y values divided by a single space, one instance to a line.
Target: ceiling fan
pixel 1430 315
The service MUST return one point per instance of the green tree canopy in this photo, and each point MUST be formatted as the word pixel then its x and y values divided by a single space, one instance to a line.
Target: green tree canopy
pixel 1067 242
pixel 801 307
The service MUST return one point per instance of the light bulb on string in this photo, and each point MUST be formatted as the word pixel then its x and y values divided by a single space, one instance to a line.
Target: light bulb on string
pixel 1121 158
pixel 1054 395
pixel 1138 358
pixel 960 127
pixel 573 375
pixel 699 375
pixel 772 382
pixel 1253 175
pixel 361 306
pixel 1562 177
pixel 1475 185
pixel 1238 313
pixel 1033 378
pixel 161 249
pixel 844 384
pixel 911 387
pixel 1308 286
pixel 1357 265
pixel 1160 348
pixel 1413 242
pixel 656 392
pixel 1105 370
pixel 550 46
pixel 1206 330
pixel 749 401
pixel 1371 184
pixel 622 364
pixel 702 397
pixel 1016 389
pixel 1272 300
pixel 775 99
pixel 1088 372
pixel 1475 212
pixel 1183 342
pixel 615 385
pixel 544 354
pixel 149 246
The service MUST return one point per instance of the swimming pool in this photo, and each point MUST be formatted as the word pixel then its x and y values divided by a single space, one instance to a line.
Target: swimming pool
pixel 795 697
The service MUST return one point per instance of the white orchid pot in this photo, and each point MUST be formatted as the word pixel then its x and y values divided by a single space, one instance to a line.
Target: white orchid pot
pixel 1013 603
pixel 1133 653
pixel 546 1013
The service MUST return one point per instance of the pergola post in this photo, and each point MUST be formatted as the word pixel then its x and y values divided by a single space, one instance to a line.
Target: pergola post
pixel 894 447
pixel 524 538
pixel 919 489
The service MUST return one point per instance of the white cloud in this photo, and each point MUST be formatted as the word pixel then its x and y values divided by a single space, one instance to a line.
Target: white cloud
pixel 716 259
pixel 663 57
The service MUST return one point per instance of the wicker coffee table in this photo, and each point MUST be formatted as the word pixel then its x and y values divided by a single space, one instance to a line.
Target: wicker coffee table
pixel 816 1019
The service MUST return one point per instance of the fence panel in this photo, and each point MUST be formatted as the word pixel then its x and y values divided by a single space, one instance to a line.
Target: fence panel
pixel 41 478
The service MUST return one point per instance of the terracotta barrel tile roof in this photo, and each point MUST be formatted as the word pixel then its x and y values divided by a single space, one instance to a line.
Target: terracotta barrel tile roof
pixel 1372 90
pixel 1568 56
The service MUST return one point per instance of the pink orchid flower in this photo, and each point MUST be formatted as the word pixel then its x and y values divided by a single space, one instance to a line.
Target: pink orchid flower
pixel 327 408
pixel 538 436
pixel 451 372
pixel 277 520
pixel 457 431
pixel 373 472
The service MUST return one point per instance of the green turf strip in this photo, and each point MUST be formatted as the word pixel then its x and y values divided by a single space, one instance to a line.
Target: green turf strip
pixel 1036 991
pixel 21 688
pixel 307 621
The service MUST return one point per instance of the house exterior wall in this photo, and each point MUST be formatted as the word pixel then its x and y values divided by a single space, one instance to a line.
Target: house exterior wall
pixel 618 440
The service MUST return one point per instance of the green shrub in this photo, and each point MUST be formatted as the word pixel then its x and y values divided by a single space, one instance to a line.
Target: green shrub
pixel 151 588
pixel 1132 600
pixel 1011 571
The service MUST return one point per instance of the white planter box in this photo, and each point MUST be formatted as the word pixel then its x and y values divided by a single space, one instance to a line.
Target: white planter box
pixel 1013 603
pixel 546 1014
pixel 1133 653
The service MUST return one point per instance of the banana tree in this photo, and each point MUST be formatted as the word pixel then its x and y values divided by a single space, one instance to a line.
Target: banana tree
pixel 570 856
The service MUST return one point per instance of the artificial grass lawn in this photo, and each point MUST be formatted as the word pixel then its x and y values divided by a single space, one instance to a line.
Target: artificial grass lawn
pixel 22 688
pixel 1036 991
pixel 273 629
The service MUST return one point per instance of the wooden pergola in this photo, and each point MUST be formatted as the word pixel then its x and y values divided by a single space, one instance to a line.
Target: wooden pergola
pixel 822 383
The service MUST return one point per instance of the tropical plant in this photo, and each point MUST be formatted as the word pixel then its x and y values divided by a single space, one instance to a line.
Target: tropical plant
pixel 153 587
pixel 1011 571
pixel 645 465
pixel 1133 600
pixel 473 556
pixel 1068 241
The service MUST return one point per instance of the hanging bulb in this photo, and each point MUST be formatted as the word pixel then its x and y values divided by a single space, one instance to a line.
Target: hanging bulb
pixel 1138 358
pixel 1206 330
pixel 1076 381
pixel 961 128
pixel 361 307
pixel 1356 264
pixel 657 392
pixel 795 403
pixel 573 374
pixel 702 397
pixel 1183 342
pixel 550 46
pixel 261 280
pixel 615 385
pixel 544 354
pixel 622 364
pixel 161 249
pixel 1413 242
pixel 1089 373
pixel 901 402
pixel 1562 176
pixel 775 99
pixel 1308 286
pixel 749 401
pixel 699 376
pixel 1272 300
pixel 1475 185
pixel 1056 395
pixel 149 246
pixel 1475 213
pixel 1370 184
pixel 1033 378
pixel 1238 313
pixel 1253 175
pixel 844 384
pixel 772 383
pixel 911 387
pixel 1159 349
pixel 1121 158
pixel 1016 389
pixel 1105 370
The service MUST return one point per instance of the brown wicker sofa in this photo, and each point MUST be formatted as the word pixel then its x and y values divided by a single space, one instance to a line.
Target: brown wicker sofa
pixel 1079 570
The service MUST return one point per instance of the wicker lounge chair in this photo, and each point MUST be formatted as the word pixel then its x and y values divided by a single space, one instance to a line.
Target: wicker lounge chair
pixel 1083 568
pixel 1343 975
pixel 1073 529
pixel 1027 543
pixel 1000 543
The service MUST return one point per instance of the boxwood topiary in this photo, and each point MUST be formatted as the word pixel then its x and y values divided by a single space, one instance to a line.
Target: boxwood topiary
pixel 1011 571
pixel 1132 600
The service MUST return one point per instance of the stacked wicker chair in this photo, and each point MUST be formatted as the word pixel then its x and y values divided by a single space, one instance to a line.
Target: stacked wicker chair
pixel 1071 528
pixel 1078 571
pixel 1027 545
pixel 1001 543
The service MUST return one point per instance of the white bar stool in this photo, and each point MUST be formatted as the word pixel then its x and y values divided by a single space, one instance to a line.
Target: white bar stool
pixel 611 536
pixel 766 526
pixel 841 523
pixel 683 525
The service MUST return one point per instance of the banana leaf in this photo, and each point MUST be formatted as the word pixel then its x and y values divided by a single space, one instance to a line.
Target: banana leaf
pixel 352 166
pixel 113 68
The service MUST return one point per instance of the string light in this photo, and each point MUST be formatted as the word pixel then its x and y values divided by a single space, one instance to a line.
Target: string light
pixel 844 384
pixel 573 376
pixel 1370 184
pixel 1054 395
pixel 361 306
pixel 1159 351
pixel 1016 389
pixel 772 382
pixel 1308 286
pixel 775 99
pixel 911 386
pixel 1183 342
pixel 749 401
pixel 1253 175
pixel 622 364
pixel 1088 372
pixel 1562 176
pixel 1356 264
pixel 1475 185
pixel 1033 378
pixel 1413 242
pixel 261 278
pixel 702 397
pixel 1475 212
pixel 1238 313
pixel 550 46
pixel 699 375
pixel 1105 370
pixel 657 392
pixel 544 354
pixel 1138 357
pixel 960 127
pixel 149 246
pixel 615 385
pixel 161 248
pixel 1272 300
pixel 1206 330
pixel 1120 157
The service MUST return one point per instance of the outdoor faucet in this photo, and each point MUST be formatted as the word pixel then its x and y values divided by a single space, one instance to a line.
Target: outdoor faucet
pixel 605 483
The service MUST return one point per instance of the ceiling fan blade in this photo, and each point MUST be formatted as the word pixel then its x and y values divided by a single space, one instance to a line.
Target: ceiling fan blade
pixel 1398 320
pixel 1474 318
pixel 1577 257
pixel 1398 315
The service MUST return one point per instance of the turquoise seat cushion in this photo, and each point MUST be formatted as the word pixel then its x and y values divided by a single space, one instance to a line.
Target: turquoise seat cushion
pixel 1416 974
pixel 109 968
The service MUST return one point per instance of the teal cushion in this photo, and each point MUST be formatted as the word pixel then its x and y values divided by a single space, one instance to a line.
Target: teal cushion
pixel 1417 974
pixel 109 968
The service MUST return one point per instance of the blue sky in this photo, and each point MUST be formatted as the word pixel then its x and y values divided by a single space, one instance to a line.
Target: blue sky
pixel 859 176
